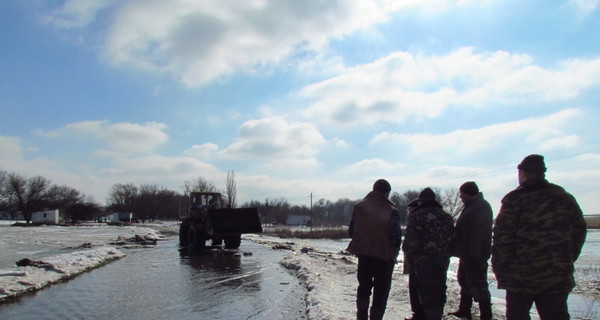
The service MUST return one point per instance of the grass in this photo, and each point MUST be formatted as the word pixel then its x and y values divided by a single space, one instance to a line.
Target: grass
pixel 593 222
pixel 307 233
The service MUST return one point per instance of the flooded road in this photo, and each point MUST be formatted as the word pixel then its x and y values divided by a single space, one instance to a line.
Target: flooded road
pixel 162 283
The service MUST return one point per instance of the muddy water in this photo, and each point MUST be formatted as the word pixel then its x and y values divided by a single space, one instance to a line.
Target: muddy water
pixel 163 283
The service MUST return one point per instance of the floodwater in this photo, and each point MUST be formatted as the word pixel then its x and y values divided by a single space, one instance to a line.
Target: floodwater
pixel 163 283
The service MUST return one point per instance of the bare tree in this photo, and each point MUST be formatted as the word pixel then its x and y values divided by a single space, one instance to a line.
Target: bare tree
pixel 4 195
pixel 62 196
pixel 199 184
pixel 231 190
pixel 28 195
pixel 123 197
pixel 452 202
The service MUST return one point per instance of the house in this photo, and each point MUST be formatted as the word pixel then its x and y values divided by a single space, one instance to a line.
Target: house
pixel 47 217
pixel 294 220
pixel 122 216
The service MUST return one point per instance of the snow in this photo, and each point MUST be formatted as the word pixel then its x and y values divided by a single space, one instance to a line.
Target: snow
pixel 330 279
pixel 14 283
pixel 41 245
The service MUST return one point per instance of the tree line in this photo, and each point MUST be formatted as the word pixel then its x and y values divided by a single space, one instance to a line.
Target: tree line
pixel 26 195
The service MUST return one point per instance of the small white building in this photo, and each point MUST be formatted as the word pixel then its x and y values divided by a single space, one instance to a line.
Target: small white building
pixel 295 220
pixel 122 216
pixel 47 217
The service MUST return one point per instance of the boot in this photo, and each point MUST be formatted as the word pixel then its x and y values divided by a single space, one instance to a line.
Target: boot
pixel 362 309
pixel 485 310
pixel 464 308
pixel 376 314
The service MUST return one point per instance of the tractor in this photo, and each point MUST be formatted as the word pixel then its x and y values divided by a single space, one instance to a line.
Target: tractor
pixel 207 218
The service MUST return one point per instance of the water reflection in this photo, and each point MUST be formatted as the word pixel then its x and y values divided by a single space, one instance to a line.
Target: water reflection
pixel 222 268
pixel 164 283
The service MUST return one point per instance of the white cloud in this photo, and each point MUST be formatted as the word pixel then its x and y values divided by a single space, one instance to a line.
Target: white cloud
pixel 544 132
pixel 75 13
pixel 339 143
pixel 12 152
pixel 155 167
pixel 372 167
pixel 123 137
pixel 201 41
pixel 202 151
pixel 275 138
pixel 585 6
pixel 402 85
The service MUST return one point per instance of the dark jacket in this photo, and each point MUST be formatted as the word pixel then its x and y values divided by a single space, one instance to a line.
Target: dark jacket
pixel 473 232
pixel 375 228
pixel 429 231
pixel 538 236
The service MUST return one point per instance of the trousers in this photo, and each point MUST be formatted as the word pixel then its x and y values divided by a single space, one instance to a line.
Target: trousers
pixel 550 306
pixel 374 275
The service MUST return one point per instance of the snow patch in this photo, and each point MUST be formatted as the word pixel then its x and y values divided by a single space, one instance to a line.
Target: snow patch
pixel 20 280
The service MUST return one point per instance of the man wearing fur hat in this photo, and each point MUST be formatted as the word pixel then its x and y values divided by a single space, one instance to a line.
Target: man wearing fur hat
pixel 537 238
pixel 376 239
pixel 472 245
pixel 427 244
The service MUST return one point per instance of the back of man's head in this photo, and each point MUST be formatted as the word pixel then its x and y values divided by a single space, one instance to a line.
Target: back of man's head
pixel 382 186
pixel 533 166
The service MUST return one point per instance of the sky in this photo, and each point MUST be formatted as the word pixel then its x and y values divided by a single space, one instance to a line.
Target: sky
pixel 301 99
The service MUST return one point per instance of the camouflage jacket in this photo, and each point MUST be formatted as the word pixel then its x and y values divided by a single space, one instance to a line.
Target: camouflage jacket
pixel 538 235
pixel 429 231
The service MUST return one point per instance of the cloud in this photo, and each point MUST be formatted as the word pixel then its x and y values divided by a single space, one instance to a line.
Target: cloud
pixel 402 85
pixel 12 152
pixel 123 137
pixel 75 13
pixel 201 41
pixel 202 151
pixel 585 6
pixel 544 132
pixel 276 138
pixel 372 167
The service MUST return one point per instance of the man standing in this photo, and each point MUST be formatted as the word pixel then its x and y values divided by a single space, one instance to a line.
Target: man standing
pixel 376 238
pixel 472 245
pixel 538 236
pixel 415 305
pixel 427 244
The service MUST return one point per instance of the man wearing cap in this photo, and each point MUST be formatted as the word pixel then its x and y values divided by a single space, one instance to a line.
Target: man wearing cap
pixel 537 238
pixel 472 245
pixel 376 239
pixel 417 309
pixel 427 244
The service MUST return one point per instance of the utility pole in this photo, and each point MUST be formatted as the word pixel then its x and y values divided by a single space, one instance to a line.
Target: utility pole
pixel 311 212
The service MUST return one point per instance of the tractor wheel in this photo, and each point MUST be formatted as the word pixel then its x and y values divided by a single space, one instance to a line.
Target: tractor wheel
pixel 196 237
pixel 233 242
pixel 184 228
pixel 217 241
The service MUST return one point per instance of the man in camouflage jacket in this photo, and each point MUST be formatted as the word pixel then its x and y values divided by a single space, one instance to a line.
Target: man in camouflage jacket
pixel 537 238
pixel 427 243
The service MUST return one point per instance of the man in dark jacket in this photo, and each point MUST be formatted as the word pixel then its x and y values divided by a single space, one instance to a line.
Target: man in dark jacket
pixel 415 305
pixel 472 245
pixel 427 244
pixel 538 236
pixel 376 238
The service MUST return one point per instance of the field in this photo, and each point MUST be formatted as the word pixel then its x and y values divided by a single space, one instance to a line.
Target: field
pixel 593 222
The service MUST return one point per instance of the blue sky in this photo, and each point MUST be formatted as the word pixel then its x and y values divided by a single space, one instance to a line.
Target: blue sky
pixel 301 97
